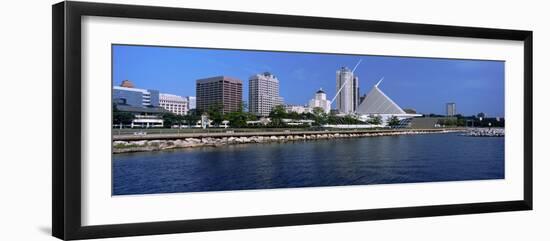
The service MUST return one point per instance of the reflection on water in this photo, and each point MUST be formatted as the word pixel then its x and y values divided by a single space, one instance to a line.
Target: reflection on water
pixel 356 161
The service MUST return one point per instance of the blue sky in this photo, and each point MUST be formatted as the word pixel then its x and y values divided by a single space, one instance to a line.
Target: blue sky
pixel 424 84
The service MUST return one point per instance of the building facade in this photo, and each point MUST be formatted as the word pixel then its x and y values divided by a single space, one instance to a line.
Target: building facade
pixel 451 109
pixel 320 100
pixel 191 102
pixel 174 103
pixel 348 98
pixel 220 92
pixel 263 94
pixel 144 117
pixel 300 109
pixel 377 104
pixel 135 97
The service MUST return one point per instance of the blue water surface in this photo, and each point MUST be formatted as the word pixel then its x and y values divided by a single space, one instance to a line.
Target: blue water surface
pixel 337 162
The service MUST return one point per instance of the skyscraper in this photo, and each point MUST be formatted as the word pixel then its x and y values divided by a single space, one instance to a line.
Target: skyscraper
pixel 263 94
pixel 451 109
pixel 220 92
pixel 348 98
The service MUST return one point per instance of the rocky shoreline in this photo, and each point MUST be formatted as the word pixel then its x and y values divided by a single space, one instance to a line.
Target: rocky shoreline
pixel 159 145
pixel 485 132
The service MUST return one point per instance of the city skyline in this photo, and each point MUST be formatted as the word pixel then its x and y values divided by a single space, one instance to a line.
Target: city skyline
pixel 424 84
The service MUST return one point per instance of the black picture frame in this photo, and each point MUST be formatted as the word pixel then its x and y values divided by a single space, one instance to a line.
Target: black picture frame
pixel 66 157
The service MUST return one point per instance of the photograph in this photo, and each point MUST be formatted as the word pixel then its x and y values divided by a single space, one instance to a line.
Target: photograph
pixel 183 118
pixel 189 119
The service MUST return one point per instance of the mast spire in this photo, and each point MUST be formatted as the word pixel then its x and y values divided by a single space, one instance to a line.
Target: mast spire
pixel 380 81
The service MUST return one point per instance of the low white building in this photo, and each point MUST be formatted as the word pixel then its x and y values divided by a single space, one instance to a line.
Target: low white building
pixel 320 100
pixel 174 103
pixel 144 117
pixel 300 109
pixel 147 121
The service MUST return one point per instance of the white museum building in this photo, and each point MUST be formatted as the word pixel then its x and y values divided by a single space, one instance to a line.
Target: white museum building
pixel 320 100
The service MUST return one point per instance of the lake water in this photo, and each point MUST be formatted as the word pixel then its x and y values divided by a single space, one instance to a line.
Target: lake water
pixel 337 162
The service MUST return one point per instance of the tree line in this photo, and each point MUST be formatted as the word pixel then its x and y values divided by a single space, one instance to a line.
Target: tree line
pixel 239 118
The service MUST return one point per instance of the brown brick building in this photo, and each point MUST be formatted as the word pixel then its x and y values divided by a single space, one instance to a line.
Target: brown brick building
pixel 222 91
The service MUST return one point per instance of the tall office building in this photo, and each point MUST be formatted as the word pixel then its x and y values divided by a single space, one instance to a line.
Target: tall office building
pixel 348 98
pixel 320 100
pixel 221 92
pixel 263 94
pixel 451 109
pixel 173 103
pixel 124 95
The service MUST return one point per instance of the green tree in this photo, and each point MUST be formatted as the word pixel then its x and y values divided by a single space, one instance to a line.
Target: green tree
pixel 374 120
pixel 191 118
pixel 170 119
pixel 294 115
pixel 277 114
pixel 320 116
pixel 350 120
pixel 237 119
pixel 308 116
pixel 393 121
pixel 122 118
pixel 215 114
pixel 333 120
pixel 450 122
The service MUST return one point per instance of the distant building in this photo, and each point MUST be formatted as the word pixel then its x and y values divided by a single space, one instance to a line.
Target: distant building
pixel 320 100
pixel 300 109
pixel 135 97
pixel 174 103
pixel 191 102
pixel 451 109
pixel 362 98
pixel 221 92
pixel 263 94
pixel 348 98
